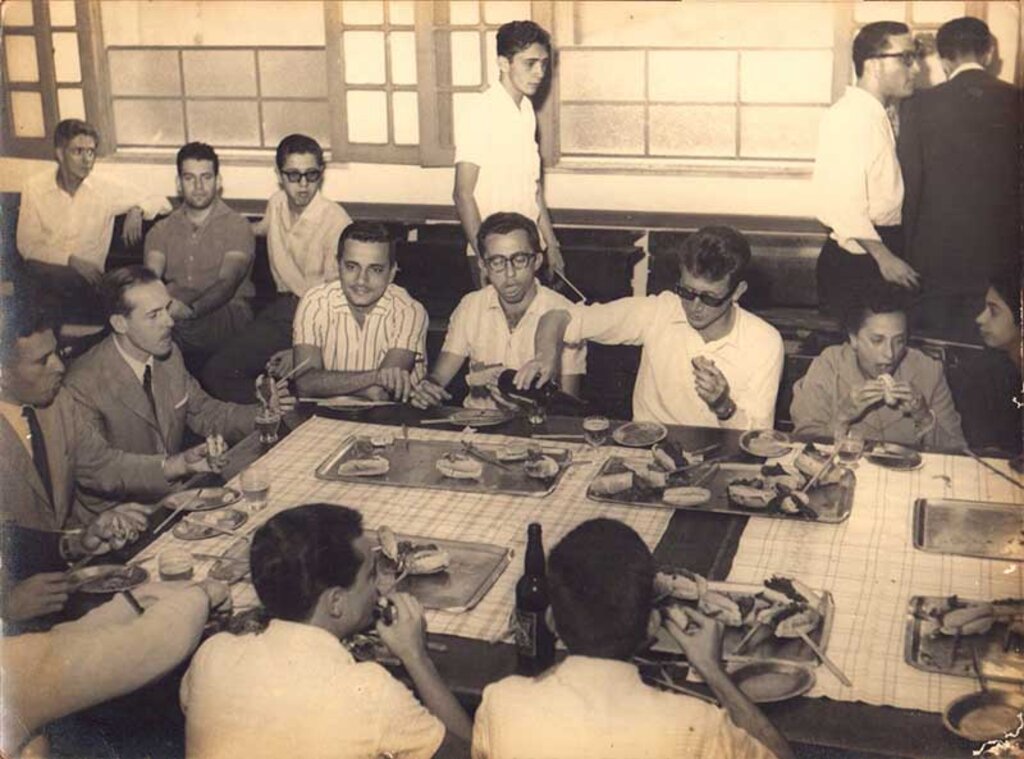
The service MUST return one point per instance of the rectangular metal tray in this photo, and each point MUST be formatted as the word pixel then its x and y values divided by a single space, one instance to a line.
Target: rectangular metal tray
pixel 474 568
pixel 832 502
pixel 769 649
pixel 970 528
pixel 934 653
pixel 414 466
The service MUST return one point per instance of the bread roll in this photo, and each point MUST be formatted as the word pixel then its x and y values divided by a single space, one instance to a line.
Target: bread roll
pixel 611 484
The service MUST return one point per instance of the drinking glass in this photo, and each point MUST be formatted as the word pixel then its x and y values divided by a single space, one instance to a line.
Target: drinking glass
pixel 595 430
pixel 255 482
pixel 175 564
pixel 267 422
pixel 536 414
pixel 849 448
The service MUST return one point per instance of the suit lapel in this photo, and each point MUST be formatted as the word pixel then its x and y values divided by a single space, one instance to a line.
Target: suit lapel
pixel 20 465
pixel 58 457
pixel 125 386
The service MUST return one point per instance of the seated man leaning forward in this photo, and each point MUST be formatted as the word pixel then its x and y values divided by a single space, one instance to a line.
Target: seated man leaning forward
pixel 294 689
pixel 360 334
pixel 594 703
pixel 706 361
pixel 875 386
pixel 495 327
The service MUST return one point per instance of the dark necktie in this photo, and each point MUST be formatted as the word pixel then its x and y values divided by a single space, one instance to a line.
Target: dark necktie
pixel 38 449
pixel 147 386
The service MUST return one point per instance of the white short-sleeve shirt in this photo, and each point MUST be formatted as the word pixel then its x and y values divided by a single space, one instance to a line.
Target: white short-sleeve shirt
pixel 479 331
pixel 303 254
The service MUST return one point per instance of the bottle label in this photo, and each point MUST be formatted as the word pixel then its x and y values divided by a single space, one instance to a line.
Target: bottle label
pixel 525 628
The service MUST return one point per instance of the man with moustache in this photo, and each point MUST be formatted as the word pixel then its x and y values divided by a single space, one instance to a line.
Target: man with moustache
pixel 302 228
pixel 134 389
pixel 706 361
pixel 495 327
pixel 204 252
pixel 360 334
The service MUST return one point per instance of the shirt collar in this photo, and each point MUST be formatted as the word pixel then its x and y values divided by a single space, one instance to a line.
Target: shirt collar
pixel 54 186
pixel 300 636
pixel 383 303
pixel 498 92
pixel 310 214
pixel 731 337
pixel 863 96
pixel 138 367
pixel 492 300
pixel 969 66
pixel 592 669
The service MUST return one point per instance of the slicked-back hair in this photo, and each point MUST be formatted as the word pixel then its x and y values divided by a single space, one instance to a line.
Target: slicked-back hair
pixel 601 580
pixel 1005 280
pixel 880 299
pixel 872 39
pixel 516 36
pixel 965 37
pixel 504 223
pixel 115 285
pixel 21 316
pixel 198 151
pixel 295 144
pixel 714 253
pixel 367 231
pixel 69 129
pixel 300 553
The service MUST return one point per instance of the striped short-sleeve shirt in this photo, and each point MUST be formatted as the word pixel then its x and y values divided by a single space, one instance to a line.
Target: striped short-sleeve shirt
pixel 325 320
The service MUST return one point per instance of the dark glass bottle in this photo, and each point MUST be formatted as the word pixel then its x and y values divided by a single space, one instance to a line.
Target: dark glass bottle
pixel 534 639
pixel 547 395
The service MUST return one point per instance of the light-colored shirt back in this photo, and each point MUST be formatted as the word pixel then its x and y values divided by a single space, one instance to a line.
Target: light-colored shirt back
pixel 303 254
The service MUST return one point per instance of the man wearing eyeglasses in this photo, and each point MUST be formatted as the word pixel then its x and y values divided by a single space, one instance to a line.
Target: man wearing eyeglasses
pixel 706 361
pixel 495 327
pixel 302 228
pixel 857 180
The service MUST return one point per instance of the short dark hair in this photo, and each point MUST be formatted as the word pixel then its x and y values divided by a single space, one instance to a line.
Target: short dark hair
pixel 298 143
pixel 505 222
pixel 714 253
pixel 872 39
pixel 966 37
pixel 881 299
pixel 1005 280
pixel 301 552
pixel 69 129
pixel 601 581
pixel 116 283
pixel 516 36
pixel 21 316
pixel 368 231
pixel 198 151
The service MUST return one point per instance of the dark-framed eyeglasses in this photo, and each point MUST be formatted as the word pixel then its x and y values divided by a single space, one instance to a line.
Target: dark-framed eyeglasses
pixel 312 176
pixel 519 261
pixel 706 298
pixel 908 57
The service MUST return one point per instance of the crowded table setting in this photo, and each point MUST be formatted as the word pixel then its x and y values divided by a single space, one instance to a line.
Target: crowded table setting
pixel 348 525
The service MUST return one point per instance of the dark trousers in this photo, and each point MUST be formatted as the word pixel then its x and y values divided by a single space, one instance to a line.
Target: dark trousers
pixel 845 278
pixel 65 292
pixel 230 373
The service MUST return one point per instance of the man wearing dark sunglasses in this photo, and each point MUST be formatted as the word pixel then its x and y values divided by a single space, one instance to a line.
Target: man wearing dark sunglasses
pixel 857 180
pixel 706 361
pixel 302 228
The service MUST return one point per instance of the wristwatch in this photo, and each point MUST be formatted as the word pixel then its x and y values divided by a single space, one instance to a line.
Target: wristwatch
pixel 726 410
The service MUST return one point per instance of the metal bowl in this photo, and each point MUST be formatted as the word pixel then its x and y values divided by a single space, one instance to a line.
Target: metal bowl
pixel 765 682
pixel 985 715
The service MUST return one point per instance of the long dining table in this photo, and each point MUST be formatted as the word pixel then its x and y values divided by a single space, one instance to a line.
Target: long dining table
pixel 868 562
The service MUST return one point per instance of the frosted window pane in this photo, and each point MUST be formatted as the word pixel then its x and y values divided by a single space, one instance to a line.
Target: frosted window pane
pixel 66 64
pixel 693 130
pixel 364 57
pixel 779 132
pixel 693 76
pixel 220 72
pixel 22 65
pixel 284 117
pixel 609 129
pixel 504 11
pixel 463 12
pixel 403 57
pixel 70 103
pixel 367 117
pixel 866 12
pixel 17 13
pixel 401 12
pixel 465 59
pixel 224 122
pixel 28 114
pixel 491 56
pixel 149 122
pixel 406 112
pixel 144 72
pixel 803 76
pixel 62 13
pixel 293 73
pixel 362 12
pixel 934 12
pixel 601 75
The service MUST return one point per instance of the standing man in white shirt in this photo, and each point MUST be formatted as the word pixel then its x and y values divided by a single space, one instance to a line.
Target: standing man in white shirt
pixel 706 361
pixel 497 163
pixel 495 327
pixel 857 179
pixel 66 220
pixel 302 228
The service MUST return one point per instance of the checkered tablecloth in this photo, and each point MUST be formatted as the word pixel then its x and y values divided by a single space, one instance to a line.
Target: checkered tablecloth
pixel 497 519
pixel 871 567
